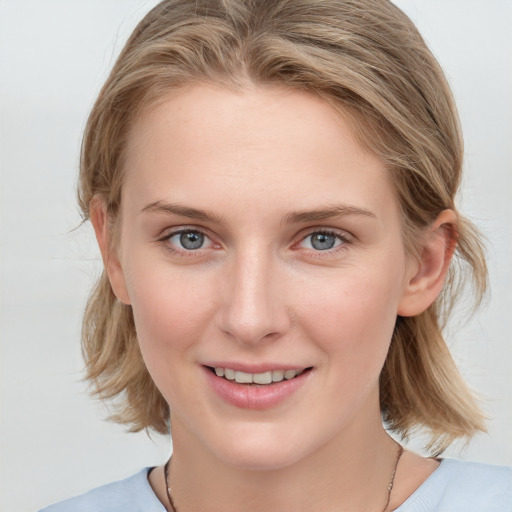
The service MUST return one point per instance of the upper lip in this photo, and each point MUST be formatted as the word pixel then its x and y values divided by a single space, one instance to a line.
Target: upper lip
pixel 254 367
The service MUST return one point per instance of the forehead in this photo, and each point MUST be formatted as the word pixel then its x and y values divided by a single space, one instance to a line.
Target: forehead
pixel 206 142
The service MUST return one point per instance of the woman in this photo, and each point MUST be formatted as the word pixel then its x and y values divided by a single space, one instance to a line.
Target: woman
pixel 272 188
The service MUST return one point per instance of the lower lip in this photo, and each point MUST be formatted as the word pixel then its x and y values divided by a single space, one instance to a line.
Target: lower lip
pixel 255 396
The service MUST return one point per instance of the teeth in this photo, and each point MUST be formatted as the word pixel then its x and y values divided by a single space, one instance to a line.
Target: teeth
pixel 277 375
pixel 243 378
pixel 257 378
pixel 262 378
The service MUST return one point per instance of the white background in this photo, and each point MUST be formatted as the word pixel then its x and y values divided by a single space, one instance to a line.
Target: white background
pixel 54 56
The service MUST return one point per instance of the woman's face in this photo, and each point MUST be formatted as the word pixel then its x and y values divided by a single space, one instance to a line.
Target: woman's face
pixel 260 242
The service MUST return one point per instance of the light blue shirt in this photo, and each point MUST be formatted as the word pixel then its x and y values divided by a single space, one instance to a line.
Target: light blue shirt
pixel 455 486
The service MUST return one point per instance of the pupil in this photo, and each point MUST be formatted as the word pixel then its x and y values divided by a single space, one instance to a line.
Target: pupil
pixel 191 240
pixel 322 241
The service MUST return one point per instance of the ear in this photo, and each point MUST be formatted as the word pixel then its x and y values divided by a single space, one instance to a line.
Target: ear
pixel 429 271
pixel 100 222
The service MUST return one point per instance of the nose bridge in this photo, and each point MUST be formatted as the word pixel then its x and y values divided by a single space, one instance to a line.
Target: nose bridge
pixel 253 307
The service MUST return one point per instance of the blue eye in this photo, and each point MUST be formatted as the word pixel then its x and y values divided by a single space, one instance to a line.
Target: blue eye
pixel 188 240
pixel 322 241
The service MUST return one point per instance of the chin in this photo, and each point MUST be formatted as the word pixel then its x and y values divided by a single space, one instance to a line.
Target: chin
pixel 260 459
pixel 261 449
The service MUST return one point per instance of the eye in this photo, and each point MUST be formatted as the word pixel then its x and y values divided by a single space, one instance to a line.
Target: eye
pixel 190 240
pixel 323 241
pixel 187 240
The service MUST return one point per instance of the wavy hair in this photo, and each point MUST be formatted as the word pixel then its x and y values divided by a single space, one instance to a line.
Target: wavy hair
pixel 367 59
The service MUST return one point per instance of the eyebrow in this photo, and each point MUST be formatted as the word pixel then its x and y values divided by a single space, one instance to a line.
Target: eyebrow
pixel 329 212
pixel 182 211
pixel 294 217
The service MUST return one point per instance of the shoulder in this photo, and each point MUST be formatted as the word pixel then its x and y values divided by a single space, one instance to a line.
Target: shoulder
pixel 133 494
pixel 463 486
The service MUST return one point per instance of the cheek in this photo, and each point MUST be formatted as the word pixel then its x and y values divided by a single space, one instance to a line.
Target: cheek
pixel 169 321
pixel 171 312
pixel 352 317
pixel 353 327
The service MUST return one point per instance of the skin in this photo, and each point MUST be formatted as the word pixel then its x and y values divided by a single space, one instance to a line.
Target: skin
pixel 259 162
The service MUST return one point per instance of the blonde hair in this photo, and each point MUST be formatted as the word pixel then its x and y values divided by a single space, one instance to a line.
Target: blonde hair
pixel 366 58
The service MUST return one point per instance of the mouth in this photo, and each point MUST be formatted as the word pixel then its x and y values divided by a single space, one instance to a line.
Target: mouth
pixel 260 379
pixel 263 389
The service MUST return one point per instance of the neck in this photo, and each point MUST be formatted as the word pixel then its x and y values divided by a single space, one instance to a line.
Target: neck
pixel 350 472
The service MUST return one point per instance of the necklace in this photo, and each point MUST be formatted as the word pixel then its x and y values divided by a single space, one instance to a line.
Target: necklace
pixel 393 474
pixel 389 488
pixel 167 486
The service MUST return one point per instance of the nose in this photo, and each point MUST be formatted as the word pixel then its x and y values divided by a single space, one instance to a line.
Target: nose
pixel 253 307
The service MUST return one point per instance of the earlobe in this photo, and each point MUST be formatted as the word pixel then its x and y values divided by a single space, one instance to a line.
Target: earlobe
pixel 426 282
pixel 100 222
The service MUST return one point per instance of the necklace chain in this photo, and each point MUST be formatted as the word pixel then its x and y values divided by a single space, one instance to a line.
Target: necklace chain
pixel 167 486
pixel 392 478
pixel 389 488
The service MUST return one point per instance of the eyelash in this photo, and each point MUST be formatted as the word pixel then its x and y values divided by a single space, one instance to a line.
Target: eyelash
pixel 184 253
pixel 343 239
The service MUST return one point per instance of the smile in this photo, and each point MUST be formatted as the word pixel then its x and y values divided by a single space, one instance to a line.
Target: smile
pixel 256 390
pixel 263 378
